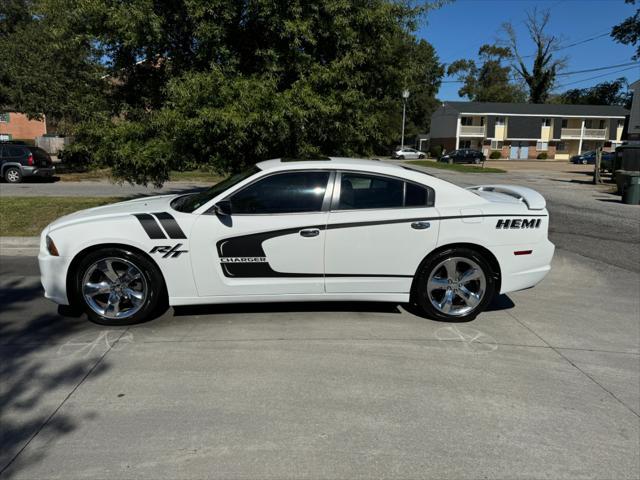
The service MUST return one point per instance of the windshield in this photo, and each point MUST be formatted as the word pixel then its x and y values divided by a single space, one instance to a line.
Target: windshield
pixel 193 201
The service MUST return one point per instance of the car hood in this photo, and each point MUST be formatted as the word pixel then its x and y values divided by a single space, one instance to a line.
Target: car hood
pixel 159 203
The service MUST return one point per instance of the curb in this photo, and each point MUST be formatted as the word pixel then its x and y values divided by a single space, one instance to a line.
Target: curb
pixel 19 246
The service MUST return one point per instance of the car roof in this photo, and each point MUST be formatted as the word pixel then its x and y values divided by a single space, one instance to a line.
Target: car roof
pixel 331 163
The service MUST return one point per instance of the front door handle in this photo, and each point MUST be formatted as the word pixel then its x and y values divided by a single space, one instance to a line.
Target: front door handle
pixel 311 232
pixel 420 225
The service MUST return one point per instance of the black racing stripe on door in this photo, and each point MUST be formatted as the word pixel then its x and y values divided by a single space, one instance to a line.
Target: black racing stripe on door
pixel 170 225
pixel 251 246
pixel 150 226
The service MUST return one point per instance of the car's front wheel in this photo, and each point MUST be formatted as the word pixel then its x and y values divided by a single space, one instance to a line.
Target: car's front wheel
pixel 454 285
pixel 118 287
pixel 13 175
pixel 400 157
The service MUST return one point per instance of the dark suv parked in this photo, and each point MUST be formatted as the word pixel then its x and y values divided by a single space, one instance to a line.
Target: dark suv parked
pixel 464 155
pixel 18 161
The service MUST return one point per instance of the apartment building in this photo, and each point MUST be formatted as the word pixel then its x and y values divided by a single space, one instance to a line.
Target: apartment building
pixel 524 131
pixel 17 126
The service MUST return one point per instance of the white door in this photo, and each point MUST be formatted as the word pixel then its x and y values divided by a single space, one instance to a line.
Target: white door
pixel 380 228
pixel 273 241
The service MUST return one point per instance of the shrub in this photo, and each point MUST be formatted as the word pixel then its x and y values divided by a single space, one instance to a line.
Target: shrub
pixel 542 156
pixel 495 154
pixel 74 160
pixel 435 151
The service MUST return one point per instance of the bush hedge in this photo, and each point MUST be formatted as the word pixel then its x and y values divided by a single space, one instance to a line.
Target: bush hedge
pixel 495 154
pixel 542 156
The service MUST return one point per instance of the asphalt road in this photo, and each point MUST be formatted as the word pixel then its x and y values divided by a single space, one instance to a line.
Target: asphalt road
pixel 544 385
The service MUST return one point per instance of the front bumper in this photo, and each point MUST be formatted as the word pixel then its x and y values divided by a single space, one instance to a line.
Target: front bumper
pixel 53 273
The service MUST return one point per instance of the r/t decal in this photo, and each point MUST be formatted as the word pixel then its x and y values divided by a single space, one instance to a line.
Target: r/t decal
pixel 168 251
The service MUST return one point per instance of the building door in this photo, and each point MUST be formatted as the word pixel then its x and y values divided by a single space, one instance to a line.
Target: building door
pixel 514 152
pixel 524 152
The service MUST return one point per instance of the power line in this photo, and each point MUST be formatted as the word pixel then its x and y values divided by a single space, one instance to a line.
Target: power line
pixel 594 77
pixel 579 42
pixel 597 69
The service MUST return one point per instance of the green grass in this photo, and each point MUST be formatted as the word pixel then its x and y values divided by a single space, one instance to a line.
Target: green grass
pixel 27 216
pixel 456 167
pixel 196 176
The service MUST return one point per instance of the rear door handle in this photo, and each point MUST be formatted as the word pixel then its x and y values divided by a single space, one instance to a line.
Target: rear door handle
pixel 420 225
pixel 311 232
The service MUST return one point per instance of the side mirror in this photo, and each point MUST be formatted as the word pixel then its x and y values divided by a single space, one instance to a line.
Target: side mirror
pixel 223 207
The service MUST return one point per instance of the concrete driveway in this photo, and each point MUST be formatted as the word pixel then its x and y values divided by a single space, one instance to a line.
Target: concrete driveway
pixel 544 385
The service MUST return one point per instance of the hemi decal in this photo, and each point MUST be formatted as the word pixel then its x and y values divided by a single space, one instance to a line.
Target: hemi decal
pixel 150 226
pixel 170 225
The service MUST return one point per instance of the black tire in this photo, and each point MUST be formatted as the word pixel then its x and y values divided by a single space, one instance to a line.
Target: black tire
pixel 152 304
pixel 400 157
pixel 476 161
pixel 431 265
pixel 421 156
pixel 13 175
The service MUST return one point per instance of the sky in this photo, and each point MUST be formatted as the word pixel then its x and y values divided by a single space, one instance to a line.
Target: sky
pixel 458 29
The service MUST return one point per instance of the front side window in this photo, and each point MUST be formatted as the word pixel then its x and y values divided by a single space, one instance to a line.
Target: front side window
pixel 292 192
pixel 363 191
pixel 191 202
pixel 499 120
pixel 565 122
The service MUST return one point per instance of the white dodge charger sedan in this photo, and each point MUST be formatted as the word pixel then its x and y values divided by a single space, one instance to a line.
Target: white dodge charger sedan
pixel 326 229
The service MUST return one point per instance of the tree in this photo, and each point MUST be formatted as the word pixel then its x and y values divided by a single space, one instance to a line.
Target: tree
pixel 605 93
pixel 628 32
pixel 224 84
pixel 489 82
pixel 541 76
pixel 42 69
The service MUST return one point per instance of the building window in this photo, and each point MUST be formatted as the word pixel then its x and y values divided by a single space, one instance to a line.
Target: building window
pixel 4 117
pixel 500 121
pixel 588 123
pixel 466 121
pixel 546 122
pixel 620 123
pixel 482 121
pixel 465 144
pixel 602 125
pixel 565 123
pixel 561 146
pixel 542 146
pixel 496 144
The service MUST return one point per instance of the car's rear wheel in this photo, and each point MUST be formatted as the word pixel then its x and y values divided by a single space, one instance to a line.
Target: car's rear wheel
pixel 476 161
pixel 13 175
pixel 119 287
pixel 454 285
pixel 421 156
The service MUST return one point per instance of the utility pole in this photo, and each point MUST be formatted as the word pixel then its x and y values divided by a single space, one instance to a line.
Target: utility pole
pixel 405 95
pixel 596 171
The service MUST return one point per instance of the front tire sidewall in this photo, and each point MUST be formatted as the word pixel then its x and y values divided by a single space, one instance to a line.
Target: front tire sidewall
pixel 155 297
pixel 419 292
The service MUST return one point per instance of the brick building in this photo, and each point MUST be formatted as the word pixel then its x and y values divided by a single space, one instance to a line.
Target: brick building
pixel 16 126
pixel 523 131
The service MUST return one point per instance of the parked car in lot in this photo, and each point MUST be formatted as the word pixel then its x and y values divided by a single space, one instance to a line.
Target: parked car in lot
pixel 463 155
pixel 589 158
pixel 408 153
pixel 18 161
pixel 317 230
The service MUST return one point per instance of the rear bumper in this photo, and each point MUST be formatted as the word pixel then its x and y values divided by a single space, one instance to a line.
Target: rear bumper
pixel 525 271
pixel 38 171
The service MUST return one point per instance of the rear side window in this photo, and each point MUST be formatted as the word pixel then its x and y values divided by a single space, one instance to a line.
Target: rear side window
pixel 363 191
pixel 11 151
pixel 282 193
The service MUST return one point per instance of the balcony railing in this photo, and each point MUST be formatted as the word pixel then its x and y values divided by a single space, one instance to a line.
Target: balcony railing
pixel 571 133
pixel 471 130
pixel 595 133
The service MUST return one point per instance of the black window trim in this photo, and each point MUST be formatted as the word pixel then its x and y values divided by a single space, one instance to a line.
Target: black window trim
pixel 326 201
pixel 335 201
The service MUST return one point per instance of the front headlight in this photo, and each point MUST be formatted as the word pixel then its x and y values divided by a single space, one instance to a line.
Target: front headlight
pixel 51 247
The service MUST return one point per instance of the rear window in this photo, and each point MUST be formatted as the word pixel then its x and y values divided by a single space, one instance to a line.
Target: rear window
pixel 39 153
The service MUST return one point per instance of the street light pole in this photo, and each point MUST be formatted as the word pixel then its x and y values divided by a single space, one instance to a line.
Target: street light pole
pixel 405 95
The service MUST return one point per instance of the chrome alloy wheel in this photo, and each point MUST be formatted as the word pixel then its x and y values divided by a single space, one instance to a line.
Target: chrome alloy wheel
pixel 456 286
pixel 114 288
pixel 13 176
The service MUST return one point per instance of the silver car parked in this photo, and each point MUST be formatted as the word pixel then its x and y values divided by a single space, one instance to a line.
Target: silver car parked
pixel 406 153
